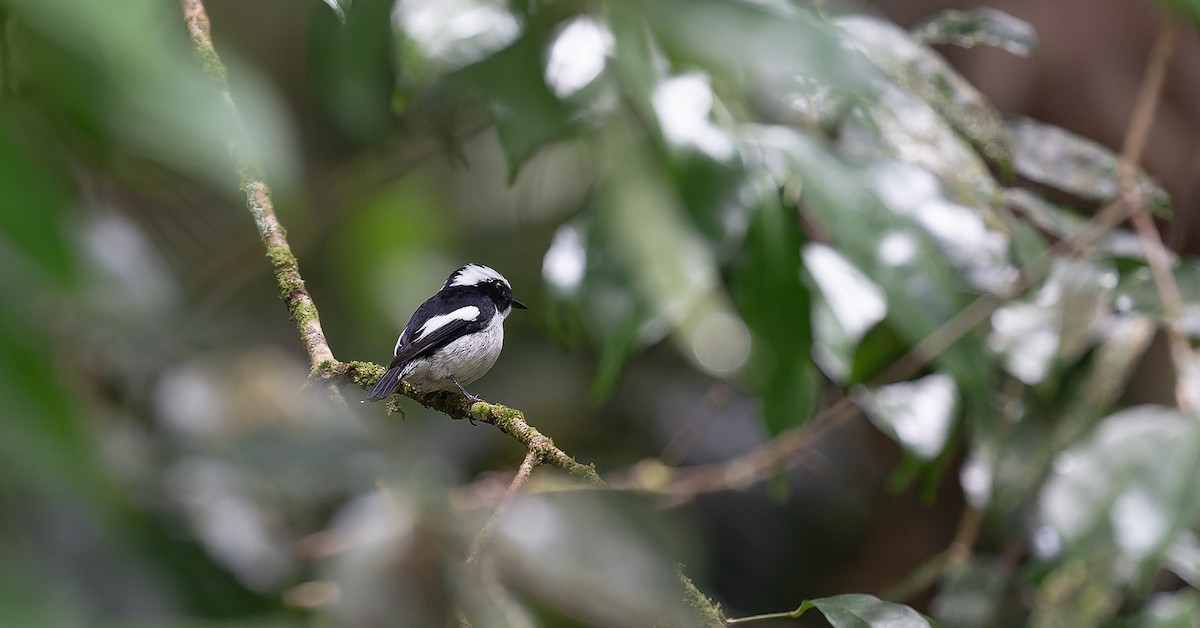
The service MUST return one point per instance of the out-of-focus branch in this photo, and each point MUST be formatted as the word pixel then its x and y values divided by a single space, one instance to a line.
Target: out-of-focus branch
pixel 1156 256
pixel 258 196
pixel 300 304
pixel 519 480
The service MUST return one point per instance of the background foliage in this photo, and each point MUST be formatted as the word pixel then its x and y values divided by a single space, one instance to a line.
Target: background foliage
pixel 726 217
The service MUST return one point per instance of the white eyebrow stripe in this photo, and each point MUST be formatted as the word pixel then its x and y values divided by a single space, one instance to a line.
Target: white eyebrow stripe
pixel 473 275
pixel 466 313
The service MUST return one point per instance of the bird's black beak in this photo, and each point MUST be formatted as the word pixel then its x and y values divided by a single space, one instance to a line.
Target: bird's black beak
pixel 517 304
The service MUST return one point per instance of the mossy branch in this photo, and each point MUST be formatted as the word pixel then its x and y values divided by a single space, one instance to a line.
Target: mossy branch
pixel 508 420
pixel 300 304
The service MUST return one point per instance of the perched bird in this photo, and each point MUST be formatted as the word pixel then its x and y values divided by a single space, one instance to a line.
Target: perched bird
pixel 455 337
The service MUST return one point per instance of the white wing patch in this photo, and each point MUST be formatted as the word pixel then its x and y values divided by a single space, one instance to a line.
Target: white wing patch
pixel 467 313
pixel 396 351
pixel 474 274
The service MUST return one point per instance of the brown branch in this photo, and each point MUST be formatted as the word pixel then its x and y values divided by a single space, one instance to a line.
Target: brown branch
pixel 258 196
pixel 1136 138
pixel 300 304
pixel 519 480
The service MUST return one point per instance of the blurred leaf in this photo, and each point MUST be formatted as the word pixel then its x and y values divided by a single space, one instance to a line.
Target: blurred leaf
pixel 982 26
pixel 1065 224
pixel 917 414
pixel 1189 8
pixel 775 305
pixel 919 71
pixel 1060 159
pixel 894 252
pixel 32 221
pixel 158 104
pixel 527 113
pixel 1132 487
pixel 350 66
pixel 671 266
pixel 339 8
pixel 42 441
pixel 436 38
pixel 1014 464
pixel 972 595
pixel 1173 609
pixel 857 610
pixel 849 305
pixel 769 43
pixel 879 348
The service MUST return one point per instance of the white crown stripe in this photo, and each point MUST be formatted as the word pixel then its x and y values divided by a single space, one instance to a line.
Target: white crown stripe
pixel 474 274
pixel 468 313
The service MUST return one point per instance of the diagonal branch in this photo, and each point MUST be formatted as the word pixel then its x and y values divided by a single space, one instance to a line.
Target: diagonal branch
pixel 300 304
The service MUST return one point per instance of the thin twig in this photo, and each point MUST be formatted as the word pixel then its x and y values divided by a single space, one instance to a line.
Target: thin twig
pixel 518 481
pixel 1156 256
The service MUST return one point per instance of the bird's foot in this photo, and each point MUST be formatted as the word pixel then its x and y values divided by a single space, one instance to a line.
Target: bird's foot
pixel 471 399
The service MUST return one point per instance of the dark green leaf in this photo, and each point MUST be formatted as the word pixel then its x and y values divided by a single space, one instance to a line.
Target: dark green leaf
pixel 775 305
pixel 983 26
pixel 527 114
pixel 32 220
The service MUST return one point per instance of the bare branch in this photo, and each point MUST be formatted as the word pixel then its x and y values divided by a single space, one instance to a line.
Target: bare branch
pixel 519 480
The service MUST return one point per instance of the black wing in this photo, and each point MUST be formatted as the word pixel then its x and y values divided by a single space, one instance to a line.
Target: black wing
pixel 414 345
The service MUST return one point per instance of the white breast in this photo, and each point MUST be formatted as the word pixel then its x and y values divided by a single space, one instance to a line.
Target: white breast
pixel 467 359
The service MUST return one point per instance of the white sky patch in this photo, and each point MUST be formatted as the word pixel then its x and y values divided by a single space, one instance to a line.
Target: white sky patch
pixel 916 193
pixel 1028 337
pixel 683 104
pixel 857 303
pixel 918 413
pixel 468 313
pixel 458 32
pixel 474 274
pixel 565 262
pixel 897 248
pixel 1139 524
pixel 578 55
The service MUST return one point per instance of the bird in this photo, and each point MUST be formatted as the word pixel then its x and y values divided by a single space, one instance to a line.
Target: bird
pixel 454 337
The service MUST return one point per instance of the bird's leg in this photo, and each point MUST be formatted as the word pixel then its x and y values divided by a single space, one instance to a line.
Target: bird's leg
pixel 471 399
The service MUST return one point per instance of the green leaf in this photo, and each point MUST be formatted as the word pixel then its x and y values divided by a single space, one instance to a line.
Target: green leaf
pixel 32 219
pixel 671 266
pixel 923 73
pixel 1065 161
pixel 775 305
pixel 1170 609
pixel 890 247
pixel 983 26
pixel 527 114
pixel 1125 493
pixel 773 43
pixel 858 610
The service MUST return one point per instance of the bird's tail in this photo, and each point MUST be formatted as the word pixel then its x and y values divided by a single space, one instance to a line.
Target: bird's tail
pixel 385 385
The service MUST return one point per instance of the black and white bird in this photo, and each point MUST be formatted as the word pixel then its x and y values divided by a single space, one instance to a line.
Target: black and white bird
pixel 455 337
